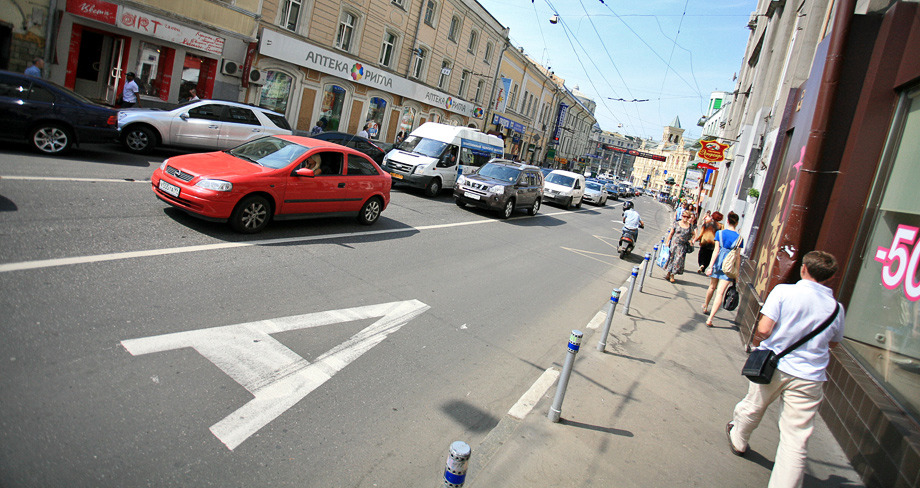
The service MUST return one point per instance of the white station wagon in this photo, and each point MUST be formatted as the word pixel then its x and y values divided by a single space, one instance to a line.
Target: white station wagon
pixel 203 124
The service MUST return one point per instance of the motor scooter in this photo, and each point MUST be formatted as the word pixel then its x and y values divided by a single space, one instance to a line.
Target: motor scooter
pixel 628 241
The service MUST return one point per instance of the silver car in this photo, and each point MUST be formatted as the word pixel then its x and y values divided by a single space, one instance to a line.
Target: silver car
pixel 595 193
pixel 204 124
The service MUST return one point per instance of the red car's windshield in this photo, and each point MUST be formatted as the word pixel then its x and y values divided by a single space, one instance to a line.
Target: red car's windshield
pixel 271 152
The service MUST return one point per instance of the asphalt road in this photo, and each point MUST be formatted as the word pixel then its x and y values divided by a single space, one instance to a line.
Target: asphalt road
pixel 365 351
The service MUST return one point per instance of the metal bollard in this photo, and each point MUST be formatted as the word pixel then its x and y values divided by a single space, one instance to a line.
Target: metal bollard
pixel 614 299
pixel 654 253
pixel 629 291
pixel 457 461
pixel 645 262
pixel 574 343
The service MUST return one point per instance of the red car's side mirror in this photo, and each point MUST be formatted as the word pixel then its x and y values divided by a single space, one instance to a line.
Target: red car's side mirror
pixel 308 173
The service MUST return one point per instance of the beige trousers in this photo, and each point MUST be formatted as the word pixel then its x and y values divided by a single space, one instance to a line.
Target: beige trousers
pixel 800 401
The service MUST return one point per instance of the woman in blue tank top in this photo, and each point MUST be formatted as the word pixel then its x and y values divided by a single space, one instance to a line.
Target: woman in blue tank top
pixel 725 241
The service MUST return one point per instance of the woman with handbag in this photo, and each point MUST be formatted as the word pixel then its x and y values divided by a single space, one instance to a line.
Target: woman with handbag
pixel 725 241
pixel 678 241
pixel 706 237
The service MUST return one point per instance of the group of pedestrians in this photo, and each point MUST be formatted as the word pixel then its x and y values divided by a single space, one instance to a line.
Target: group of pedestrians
pixel 790 312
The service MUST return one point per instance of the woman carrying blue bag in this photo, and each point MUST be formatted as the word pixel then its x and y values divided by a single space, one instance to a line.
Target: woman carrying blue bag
pixel 726 240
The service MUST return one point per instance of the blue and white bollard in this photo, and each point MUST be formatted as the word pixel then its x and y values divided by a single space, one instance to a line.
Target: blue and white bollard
pixel 574 344
pixel 457 461
pixel 629 290
pixel 614 299
pixel 645 262
pixel 654 253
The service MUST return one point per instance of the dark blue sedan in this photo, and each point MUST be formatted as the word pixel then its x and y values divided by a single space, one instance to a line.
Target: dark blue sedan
pixel 50 117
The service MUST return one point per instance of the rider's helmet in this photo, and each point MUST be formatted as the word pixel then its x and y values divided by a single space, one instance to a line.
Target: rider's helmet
pixel 627 205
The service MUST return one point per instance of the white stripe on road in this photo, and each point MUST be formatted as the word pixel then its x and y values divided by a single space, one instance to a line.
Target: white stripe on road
pixel 49 263
pixel 598 318
pixel 530 399
pixel 56 178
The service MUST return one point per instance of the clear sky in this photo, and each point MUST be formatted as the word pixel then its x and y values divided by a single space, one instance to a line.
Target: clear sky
pixel 673 53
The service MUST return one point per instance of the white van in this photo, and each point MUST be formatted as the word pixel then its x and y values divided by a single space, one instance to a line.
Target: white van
pixel 429 157
pixel 564 187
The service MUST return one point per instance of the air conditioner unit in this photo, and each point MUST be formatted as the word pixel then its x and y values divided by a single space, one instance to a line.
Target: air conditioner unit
pixel 231 68
pixel 257 77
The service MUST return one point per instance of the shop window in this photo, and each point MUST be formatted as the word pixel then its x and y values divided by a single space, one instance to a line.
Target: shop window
pixel 376 109
pixel 148 68
pixel 192 68
pixel 407 120
pixel 276 92
pixel 434 117
pixel 883 319
pixel 333 101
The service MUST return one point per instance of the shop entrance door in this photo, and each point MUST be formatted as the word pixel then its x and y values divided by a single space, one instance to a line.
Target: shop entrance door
pixel 96 64
pixel 115 69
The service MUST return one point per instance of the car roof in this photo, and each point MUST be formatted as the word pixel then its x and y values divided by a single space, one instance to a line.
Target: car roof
pixel 507 162
pixel 567 173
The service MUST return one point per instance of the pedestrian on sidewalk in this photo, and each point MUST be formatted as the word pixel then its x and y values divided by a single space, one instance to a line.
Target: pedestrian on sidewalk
pixel 706 237
pixel 789 313
pixel 719 281
pixel 678 240
pixel 35 69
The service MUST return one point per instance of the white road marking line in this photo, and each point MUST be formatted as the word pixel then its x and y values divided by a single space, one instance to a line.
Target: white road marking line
pixel 530 399
pixel 277 377
pixel 59 178
pixel 49 263
pixel 598 318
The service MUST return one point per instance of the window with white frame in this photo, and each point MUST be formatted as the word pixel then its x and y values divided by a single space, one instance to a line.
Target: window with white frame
pixel 418 65
pixel 464 81
pixel 474 41
pixel 387 49
pixel 487 58
pixel 290 14
pixel 479 87
pixel 444 76
pixel 454 28
pixel 431 7
pixel 348 22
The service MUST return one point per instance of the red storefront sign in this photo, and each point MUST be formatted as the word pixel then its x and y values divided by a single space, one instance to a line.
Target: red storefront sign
pixel 94 9
pixel 713 151
pixel 247 63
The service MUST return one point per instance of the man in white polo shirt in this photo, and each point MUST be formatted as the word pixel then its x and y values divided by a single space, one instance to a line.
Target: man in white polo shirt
pixel 789 313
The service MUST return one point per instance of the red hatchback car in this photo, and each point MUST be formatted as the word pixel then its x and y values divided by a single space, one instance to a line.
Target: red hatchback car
pixel 280 177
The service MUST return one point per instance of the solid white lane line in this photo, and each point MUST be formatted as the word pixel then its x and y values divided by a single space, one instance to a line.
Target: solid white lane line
pixel 49 263
pixel 598 318
pixel 58 178
pixel 530 399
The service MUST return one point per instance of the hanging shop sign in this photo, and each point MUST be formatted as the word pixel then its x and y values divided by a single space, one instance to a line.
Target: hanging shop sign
pixel 508 123
pixel 279 46
pixel 560 121
pixel 712 151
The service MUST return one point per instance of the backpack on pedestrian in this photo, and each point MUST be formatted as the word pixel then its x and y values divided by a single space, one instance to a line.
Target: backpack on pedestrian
pixel 732 262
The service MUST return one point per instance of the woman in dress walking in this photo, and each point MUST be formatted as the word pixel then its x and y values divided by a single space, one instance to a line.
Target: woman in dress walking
pixel 678 239
pixel 718 283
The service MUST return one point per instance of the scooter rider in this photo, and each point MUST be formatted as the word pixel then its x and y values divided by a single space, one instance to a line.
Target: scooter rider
pixel 631 220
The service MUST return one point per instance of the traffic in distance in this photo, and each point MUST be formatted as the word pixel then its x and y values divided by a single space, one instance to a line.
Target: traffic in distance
pixel 262 170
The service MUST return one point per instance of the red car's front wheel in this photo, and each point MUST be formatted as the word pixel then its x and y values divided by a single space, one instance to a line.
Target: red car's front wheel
pixel 251 215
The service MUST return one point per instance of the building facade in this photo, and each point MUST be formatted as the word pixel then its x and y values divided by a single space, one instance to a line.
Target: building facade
pixel 389 64
pixel 827 128
pixel 614 153
pixel 662 167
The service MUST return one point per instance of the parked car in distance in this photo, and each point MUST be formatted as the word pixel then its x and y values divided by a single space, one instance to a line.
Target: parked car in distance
pixel 595 193
pixel 564 187
pixel 624 190
pixel 50 117
pixel 367 146
pixel 502 185
pixel 203 124
pixel 273 178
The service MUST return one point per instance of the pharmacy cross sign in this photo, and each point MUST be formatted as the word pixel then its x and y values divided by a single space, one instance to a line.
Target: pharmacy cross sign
pixel 276 376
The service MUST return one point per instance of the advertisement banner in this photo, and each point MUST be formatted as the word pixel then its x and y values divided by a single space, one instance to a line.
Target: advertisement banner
pixel 144 23
pixel 560 120
pixel 501 101
pixel 100 10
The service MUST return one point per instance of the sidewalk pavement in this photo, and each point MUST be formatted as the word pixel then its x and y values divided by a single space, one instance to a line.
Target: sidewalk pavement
pixel 651 410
